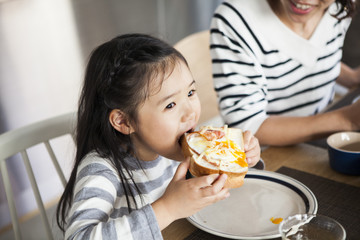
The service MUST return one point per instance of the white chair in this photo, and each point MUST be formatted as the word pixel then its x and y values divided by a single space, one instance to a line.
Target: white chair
pixel 19 141
pixel 196 49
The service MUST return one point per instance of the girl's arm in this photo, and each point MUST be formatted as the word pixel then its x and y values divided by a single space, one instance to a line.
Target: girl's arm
pixel 100 211
pixel 184 197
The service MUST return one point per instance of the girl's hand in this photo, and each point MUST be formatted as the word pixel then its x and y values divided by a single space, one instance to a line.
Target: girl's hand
pixel 184 197
pixel 252 148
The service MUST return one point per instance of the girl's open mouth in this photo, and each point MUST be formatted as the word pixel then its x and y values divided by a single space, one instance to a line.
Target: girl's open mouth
pixel 188 131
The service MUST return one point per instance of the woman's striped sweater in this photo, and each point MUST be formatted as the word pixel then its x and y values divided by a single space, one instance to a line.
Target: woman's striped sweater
pixel 262 68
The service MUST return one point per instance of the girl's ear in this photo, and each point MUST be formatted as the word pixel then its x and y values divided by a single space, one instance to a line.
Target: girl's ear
pixel 119 122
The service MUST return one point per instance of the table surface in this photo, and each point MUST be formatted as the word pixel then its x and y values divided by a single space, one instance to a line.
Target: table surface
pixel 304 157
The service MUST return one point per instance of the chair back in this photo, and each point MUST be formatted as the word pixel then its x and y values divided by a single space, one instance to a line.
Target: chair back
pixel 19 141
pixel 195 48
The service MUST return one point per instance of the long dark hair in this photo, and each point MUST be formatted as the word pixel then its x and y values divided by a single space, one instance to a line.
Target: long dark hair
pixel 346 8
pixel 118 76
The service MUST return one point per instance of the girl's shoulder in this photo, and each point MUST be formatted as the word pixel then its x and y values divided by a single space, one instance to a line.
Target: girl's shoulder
pixel 96 172
pixel 93 162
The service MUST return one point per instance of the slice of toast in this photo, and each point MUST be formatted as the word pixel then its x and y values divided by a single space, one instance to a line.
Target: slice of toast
pixel 217 150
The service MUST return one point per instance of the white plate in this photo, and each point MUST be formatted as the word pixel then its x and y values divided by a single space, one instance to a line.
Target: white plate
pixel 246 213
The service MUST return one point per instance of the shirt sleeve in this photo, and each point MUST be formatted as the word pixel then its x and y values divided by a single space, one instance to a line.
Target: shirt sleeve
pixel 237 74
pixel 100 210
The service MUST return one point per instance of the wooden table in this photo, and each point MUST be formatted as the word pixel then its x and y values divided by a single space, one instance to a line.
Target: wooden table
pixel 304 157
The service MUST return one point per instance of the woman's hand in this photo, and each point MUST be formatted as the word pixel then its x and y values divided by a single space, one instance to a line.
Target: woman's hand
pixel 351 114
pixel 184 197
pixel 252 148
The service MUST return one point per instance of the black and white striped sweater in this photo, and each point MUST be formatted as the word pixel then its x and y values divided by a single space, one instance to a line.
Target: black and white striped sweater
pixel 262 68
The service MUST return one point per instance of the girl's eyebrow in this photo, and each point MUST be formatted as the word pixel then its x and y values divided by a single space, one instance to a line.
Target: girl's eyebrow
pixel 173 94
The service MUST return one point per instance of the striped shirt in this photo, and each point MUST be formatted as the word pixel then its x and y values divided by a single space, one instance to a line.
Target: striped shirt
pixel 100 210
pixel 262 68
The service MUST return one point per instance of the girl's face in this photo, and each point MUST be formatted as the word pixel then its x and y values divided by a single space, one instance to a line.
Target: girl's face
pixel 301 11
pixel 171 110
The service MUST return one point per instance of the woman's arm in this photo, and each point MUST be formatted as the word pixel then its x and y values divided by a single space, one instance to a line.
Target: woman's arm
pixel 281 130
pixel 349 77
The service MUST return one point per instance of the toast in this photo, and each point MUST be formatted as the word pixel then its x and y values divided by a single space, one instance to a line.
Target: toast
pixel 217 150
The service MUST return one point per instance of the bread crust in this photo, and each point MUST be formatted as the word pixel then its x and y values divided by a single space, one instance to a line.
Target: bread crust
pixel 234 180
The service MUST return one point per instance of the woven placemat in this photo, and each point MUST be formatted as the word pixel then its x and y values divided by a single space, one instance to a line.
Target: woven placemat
pixel 336 200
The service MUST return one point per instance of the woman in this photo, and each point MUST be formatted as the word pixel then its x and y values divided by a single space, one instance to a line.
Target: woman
pixel 275 64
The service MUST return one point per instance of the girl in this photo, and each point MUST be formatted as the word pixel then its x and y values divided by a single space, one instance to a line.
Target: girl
pixel 137 100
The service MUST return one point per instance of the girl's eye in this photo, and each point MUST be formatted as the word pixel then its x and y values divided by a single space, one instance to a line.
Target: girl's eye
pixel 192 92
pixel 171 105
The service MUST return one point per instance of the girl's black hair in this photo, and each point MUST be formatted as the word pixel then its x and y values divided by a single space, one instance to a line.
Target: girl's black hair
pixel 118 76
pixel 347 8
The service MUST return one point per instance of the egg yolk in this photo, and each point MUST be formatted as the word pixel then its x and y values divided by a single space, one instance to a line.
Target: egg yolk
pixel 238 155
pixel 276 220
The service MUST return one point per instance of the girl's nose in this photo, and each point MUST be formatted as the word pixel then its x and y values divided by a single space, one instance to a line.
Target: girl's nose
pixel 188 113
pixel 189 117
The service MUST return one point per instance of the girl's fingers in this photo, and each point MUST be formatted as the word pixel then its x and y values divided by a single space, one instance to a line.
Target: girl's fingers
pixel 211 196
pixel 247 140
pixel 182 169
pixel 220 182
pixel 205 181
pixel 252 161
pixel 252 148
pixel 250 141
pixel 252 154
pixel 216 187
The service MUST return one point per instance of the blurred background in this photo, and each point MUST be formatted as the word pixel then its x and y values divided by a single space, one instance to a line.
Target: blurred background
pixel 44 47
pixel 45 44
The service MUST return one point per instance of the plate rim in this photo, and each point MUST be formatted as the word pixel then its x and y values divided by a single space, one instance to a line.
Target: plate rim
pixel 266 175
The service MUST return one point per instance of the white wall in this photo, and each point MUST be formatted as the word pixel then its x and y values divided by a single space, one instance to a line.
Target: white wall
pixel 41 69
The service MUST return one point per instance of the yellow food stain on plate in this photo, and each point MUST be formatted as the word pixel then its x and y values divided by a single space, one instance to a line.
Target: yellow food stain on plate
pixel 276 220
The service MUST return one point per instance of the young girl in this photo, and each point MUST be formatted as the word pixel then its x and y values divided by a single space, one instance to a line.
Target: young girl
pixel 137 100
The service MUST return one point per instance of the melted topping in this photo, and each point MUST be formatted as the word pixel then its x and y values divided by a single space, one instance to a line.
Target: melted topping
pixel 219 150
pixel 212 135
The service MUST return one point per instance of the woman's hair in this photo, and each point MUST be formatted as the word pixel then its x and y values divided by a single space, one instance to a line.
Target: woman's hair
pixel 347 8
pixel 118 76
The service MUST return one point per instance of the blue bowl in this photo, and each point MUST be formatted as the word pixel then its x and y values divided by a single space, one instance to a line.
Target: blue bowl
pixel 344 152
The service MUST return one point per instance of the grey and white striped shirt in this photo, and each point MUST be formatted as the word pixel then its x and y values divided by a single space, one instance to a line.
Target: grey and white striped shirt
pixel 262 68
pixel 100 210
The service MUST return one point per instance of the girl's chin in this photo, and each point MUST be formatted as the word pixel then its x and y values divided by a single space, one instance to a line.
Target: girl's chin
pixel 176 155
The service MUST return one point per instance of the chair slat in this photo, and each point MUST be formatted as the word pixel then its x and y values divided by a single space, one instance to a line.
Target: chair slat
pixel 36 193
pixel 56 163
pixel 17 141
pixel 10 199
